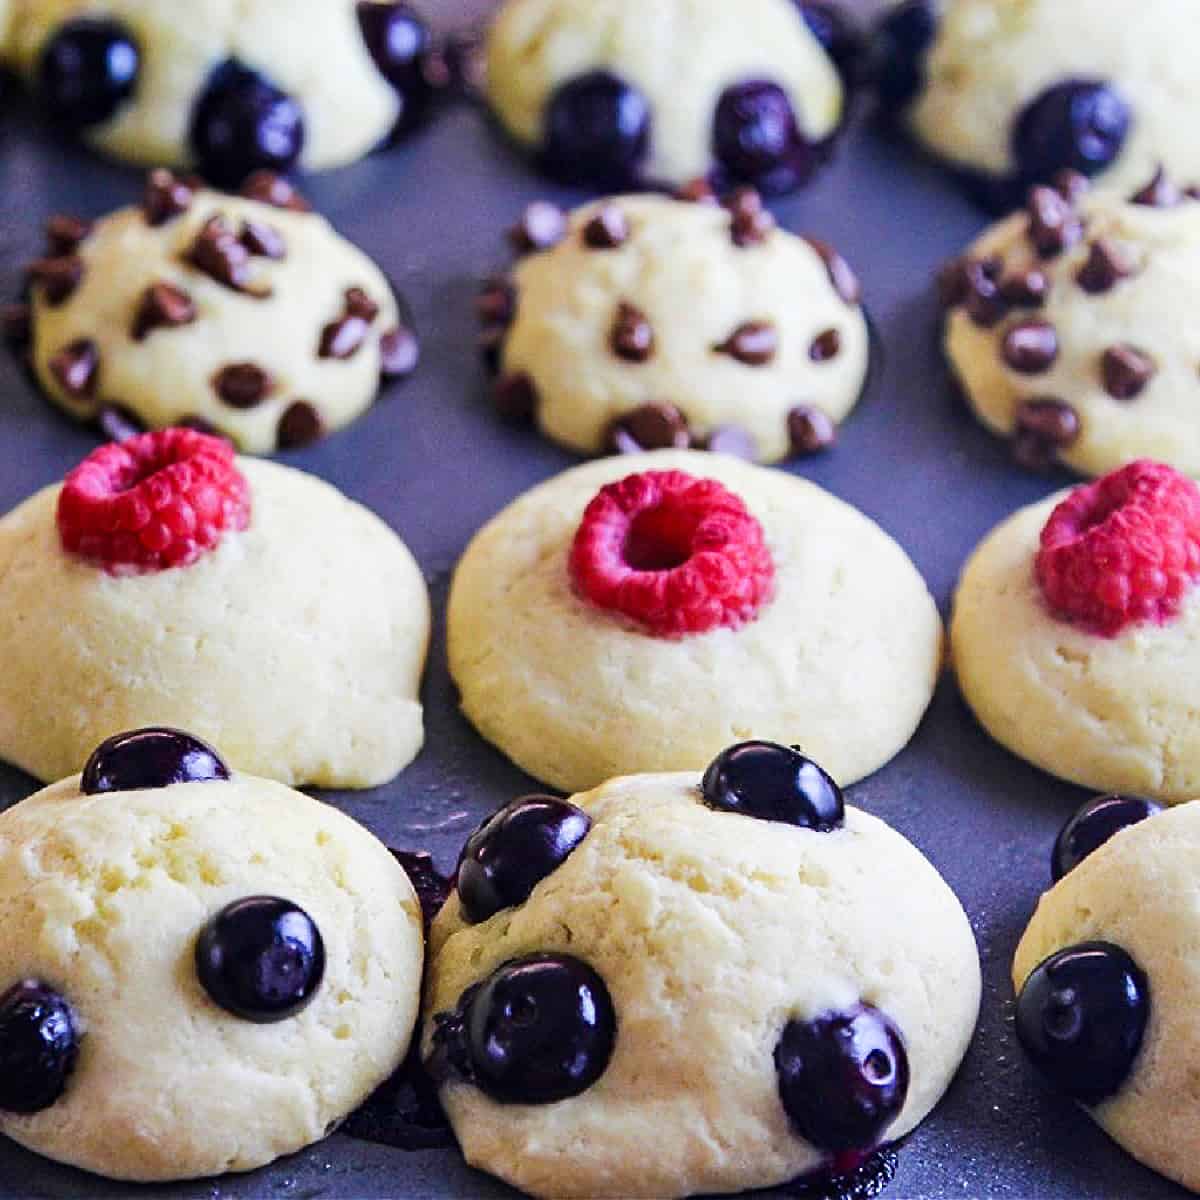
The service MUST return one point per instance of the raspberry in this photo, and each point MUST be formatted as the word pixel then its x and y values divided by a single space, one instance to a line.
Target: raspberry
pixel 675 554
pixel 155 501
pixel 1122 550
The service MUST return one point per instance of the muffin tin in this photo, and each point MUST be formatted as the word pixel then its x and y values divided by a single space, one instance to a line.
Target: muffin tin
pixel 433 460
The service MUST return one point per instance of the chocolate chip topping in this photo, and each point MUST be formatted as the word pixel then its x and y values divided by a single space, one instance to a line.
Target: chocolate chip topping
pixel 1126 371
pixel 649 427
pixel 734 441
pixel 1030 347
pixel 491 347
pixel 76 367
pixel 163 306
pixel 541 227
pixel 1053 223
pixel 1044 426
pixel 1107 264
pixel 263 240
pixel 843 279
pixel 1071 185
pixel 243 384
pixel 1025 289
pixel 825 346
pixel 399 352
pixel 268 188
pixel 64 234
pixel 984 303
pixel 1160 192
pixel 515 398
pixel 952 283
pixel 755 343
pixel 496 302
pixel 607 230
pixel 697 191
pixel 344 337
pixel 16 323
pixel 119 423
pixel 167 196
pixel 632 336
pixel 360 304
pixel 219 255
pixel 57 277
pixel 300 425
pixel 752 222
pixel 810 429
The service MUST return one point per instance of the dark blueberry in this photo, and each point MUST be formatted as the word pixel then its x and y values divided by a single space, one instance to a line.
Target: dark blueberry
pixel 1080 124
pixel 1081 1016
pixel 87 71
pixel 540 1029
pixel 150 758
pixel 39 1043
pixel 773 783
pixel 242 123
pixel 756 139
pixel 261 958
pixel 1092 826
pixel 597 130
pixel 399 42
pixel 843 1078
pixel 902 39
pixel 514 850
pixel 837 33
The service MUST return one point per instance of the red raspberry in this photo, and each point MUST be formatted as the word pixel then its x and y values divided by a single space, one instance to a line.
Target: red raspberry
pixel 154 501
pixel 676 554
pixel 1123 549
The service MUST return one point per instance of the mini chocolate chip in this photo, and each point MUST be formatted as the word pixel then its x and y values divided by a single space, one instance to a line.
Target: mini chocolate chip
pixel 843 279
pixel 1053 224
pixel 399 353
pixel 1026 289
pixel 755 343
pixel 119 423
pixel 752 222
pixel 1030 347
pixel 342 338
pixel 952 283
pixel 57 277
pixel 219 254
pixel 1107 264
pixel 983 303
pixel 648 427
pixel 263 240
pixel 541 227
pixel 1126 371
pixel 825 346
pixel 732 440
pixel 163 306
pixel 167 196
pixel 515 398
pixel 64 234
pixel 1071 185
pixel 76 367
pixel 1191 193
pixel 300 425
pixel 491 347
pixel 607 230
pixel 1044 426
pixel 243 384
pixel 268 188
pixel 496 302
pixel 1160 192
pixel 810 429
pixel 16 321
pixel 359 304
pixel 697 191
pixel 632 336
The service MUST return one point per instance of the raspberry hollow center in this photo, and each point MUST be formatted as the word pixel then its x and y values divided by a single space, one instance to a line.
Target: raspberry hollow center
pixel 660 539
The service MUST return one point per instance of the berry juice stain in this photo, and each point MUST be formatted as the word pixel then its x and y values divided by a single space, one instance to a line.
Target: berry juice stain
pixel 853 1176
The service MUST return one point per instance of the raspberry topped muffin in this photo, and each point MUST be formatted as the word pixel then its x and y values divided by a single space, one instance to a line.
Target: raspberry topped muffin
pixel 168 582
pixel 614 620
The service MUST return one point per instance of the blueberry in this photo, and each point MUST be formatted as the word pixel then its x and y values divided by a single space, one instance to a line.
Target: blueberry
pixel 839 35
pixel 39 1043
pixel 902 39
pixel 1081 1016
pixel 774 783
pixel 150 758
pixel 1092 826
pixel 514 850
pixel 87 71
pixel 261 958
pixel 399 42
pixel 1080 124
pixel 539 1030
pixel 843 1078
pixel 756 139
pixel 242 123
pixel 597 130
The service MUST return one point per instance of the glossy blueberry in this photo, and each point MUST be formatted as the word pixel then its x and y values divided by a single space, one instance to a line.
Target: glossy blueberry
pixel 39 1043
pixel 150 758
pixel 597 130
pixel 902 39
pixel 87 71
pixel 514 850
pixel 540 1029
pixel 773 783
pixel 839 35
pixel 1092 826
pixel 261 958
pixel 756 139
pixel 1081 1016
pixel 843 1078
pixel 1080 123
pixel 399 42
pixel 242 123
